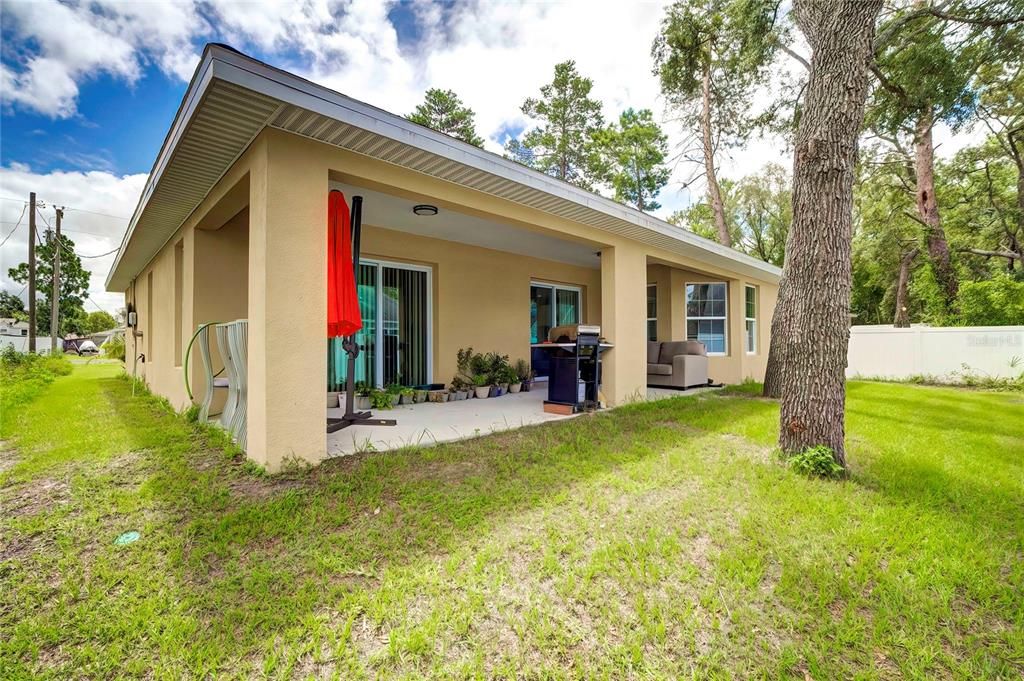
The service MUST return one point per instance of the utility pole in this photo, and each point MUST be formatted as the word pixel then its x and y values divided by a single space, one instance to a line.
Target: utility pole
pixel 32 272
pixel 55 298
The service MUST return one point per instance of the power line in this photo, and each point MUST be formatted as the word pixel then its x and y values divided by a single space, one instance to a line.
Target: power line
pixel 69 251
pixel 80 210
pixel 101 255
pixel 16 225
pixel 92 212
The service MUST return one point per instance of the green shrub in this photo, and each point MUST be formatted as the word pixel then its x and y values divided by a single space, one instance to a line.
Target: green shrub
pixel 24 376
pixel 998 301
pixel 817 462
pixel 114 348
pixel 380 399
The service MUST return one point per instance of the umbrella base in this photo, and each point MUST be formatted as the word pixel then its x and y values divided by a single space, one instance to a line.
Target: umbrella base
pixel 359 418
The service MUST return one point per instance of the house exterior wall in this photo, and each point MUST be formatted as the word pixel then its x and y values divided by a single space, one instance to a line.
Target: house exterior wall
pixel 737 364
pixel 481 297
pixel 276 263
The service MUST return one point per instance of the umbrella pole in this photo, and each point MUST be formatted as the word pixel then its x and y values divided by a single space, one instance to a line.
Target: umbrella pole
pixel 350 345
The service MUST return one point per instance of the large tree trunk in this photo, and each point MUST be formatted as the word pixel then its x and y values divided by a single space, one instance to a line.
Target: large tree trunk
pixel 714 191
pixel 816 277
pixel 779 336
pixel 928 209
pixel 901 320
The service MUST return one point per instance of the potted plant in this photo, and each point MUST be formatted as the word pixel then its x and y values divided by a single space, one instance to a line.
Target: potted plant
pixel 407 395
pixel 459 388
pixel 438 395
pixel 332 399
pixel 510 379
pixel 394 391
pixel 482 385
pixel 363 392
pixel 419 395
pixel 380 399
pixel 524 373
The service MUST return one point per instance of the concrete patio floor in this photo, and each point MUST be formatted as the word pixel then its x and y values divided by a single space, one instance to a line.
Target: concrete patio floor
pixel 430 423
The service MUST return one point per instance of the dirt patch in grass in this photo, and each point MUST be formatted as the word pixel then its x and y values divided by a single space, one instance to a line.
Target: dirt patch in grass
pixel 34 496
pixel 252 488
pixel 8 457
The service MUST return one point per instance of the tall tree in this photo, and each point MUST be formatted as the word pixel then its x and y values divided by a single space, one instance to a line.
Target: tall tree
pixel 12 307
pixel 811 324
pixel 709 56
pixel 758 210
pixel 100 320
pixel 74 284
pixel 562 145
pixel 632 154
pixel 442 110
pixel 926 57
pixel 1000 84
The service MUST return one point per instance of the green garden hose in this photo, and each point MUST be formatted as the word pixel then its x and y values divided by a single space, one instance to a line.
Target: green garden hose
pixel 188 350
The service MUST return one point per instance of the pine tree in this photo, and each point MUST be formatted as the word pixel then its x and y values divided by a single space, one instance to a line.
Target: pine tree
pixel 442 110
pixel 562 145
pixel 632 155
pixel 710 56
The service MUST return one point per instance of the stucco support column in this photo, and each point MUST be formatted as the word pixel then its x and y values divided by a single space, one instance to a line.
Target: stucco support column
pixel 287 304
pixel 677 304
pixel 624 323
pixel 737 332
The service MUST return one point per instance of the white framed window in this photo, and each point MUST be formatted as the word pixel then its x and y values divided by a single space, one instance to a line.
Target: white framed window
pixel 750 317
pixel 706 320
pixel 652 312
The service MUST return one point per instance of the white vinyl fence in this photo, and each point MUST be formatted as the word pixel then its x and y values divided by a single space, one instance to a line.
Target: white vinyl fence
pixel 888 352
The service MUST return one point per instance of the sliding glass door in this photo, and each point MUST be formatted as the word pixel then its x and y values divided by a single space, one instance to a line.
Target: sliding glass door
pixel 550 306
pixel 395 303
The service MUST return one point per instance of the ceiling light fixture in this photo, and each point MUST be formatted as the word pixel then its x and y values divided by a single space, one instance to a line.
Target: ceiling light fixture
pixel 424 209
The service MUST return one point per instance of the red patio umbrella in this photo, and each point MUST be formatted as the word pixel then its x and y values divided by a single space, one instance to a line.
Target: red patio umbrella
pixel 343 316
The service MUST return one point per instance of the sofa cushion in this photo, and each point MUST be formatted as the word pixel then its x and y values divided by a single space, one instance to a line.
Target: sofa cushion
pixel 670 350
pixel 659 369
pixel 653 352
pixel 695 348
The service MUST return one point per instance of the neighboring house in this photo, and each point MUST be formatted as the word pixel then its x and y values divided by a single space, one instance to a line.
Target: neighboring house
pixel 13 327
pixel 14 333
pixel 232 224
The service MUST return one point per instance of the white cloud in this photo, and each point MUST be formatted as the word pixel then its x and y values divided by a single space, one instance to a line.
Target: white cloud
pixel 493 54
pixel 63 45
pixel 98 204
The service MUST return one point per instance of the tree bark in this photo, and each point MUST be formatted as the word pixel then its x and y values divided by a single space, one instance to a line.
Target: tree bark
pixel 901 320
pixel 816 282
pixel 928 209
pixel 780 333
pixel 714 191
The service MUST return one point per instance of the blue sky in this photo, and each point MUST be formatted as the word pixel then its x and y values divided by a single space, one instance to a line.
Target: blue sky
pixel 89 88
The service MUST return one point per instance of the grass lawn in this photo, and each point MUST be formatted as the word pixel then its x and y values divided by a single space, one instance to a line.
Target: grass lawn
pixel 656 540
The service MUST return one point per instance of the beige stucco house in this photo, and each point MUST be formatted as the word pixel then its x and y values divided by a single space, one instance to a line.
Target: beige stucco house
pixel 232 224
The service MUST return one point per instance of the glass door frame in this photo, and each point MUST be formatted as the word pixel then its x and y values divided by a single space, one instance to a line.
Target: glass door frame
pixel 378 360
pixel 555 288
